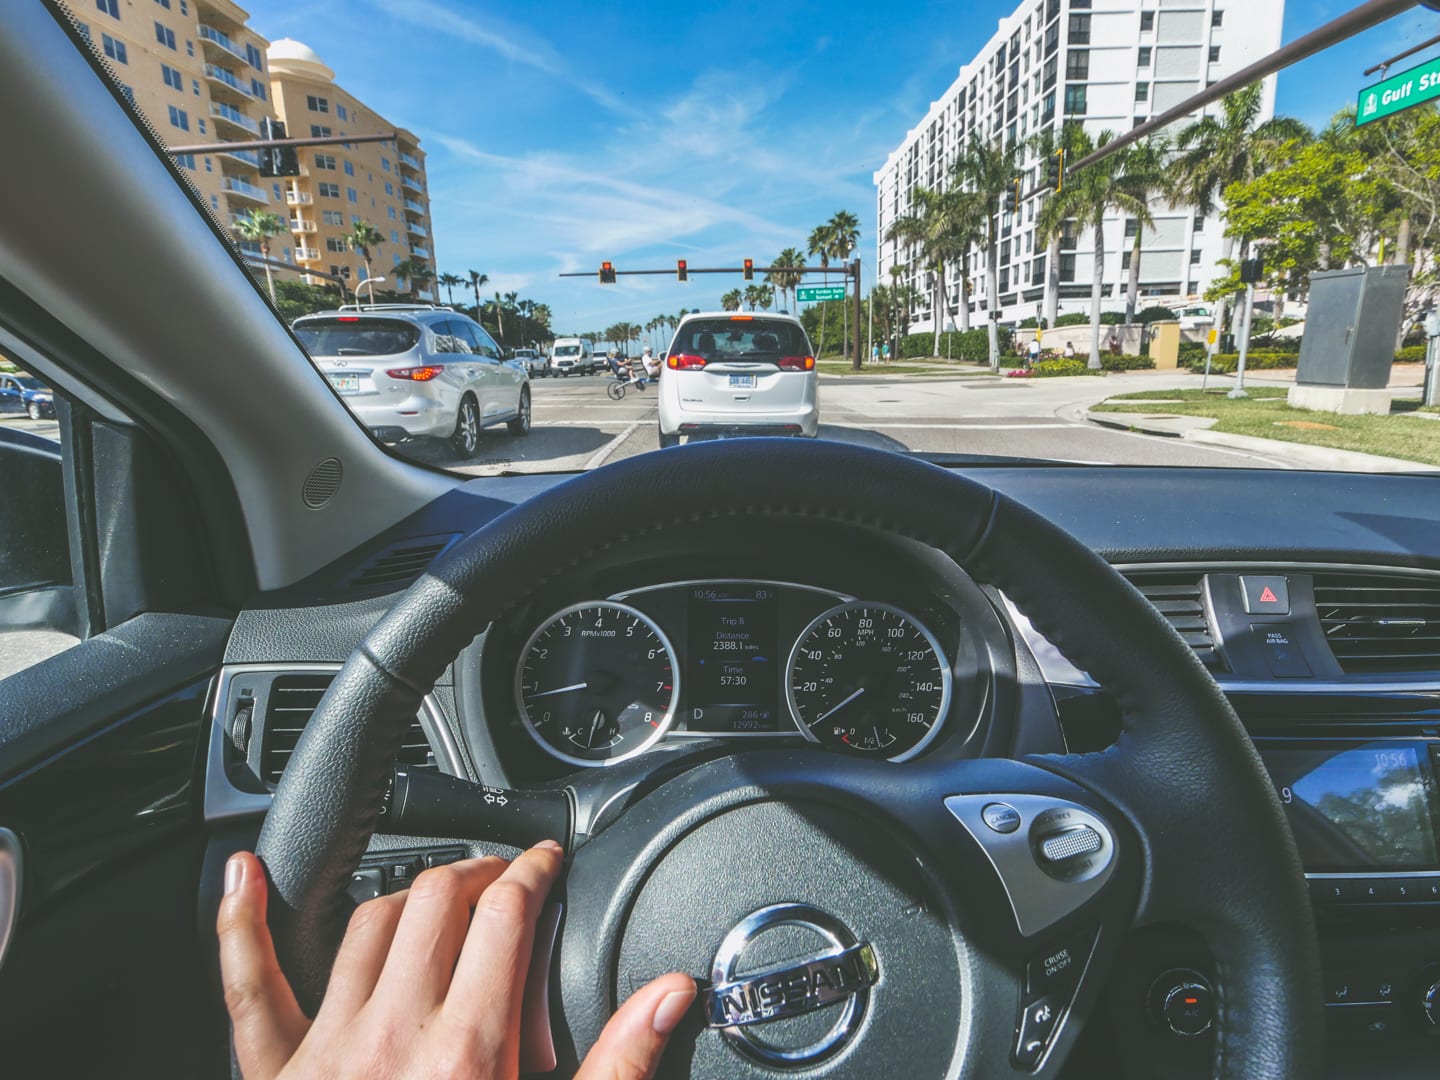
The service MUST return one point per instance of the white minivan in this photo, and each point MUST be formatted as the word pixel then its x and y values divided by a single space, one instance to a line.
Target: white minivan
pixel 571 356
pixel 738 374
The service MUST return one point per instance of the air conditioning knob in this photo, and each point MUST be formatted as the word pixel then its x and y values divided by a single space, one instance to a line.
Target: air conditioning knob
pixel 1183 1001
pixel 1431 1001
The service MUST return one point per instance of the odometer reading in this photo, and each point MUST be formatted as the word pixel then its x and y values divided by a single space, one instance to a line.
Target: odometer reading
pixel 596 683
pixel 869 678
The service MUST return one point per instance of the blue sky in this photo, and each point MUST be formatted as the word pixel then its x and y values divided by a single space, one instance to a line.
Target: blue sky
pixel 561 133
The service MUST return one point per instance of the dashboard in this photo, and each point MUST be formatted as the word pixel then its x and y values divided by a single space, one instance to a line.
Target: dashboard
pixel 872 646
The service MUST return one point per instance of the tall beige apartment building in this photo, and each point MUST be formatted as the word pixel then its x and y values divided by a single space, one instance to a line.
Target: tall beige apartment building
pixel 200 74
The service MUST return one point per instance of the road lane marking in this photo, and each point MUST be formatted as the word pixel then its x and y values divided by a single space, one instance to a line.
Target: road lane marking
pixel 598 458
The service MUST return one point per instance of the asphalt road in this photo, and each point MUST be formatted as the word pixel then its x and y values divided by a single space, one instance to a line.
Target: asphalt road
pixel 578 427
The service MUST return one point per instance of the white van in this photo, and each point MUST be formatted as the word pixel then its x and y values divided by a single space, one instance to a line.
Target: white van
pixel 571 356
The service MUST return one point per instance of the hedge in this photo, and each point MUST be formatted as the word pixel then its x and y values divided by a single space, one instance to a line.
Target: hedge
pixel 1049 369
pixel 1411 354
pixel 1257 360
pixel 973 345
pixel 1156 314
pixel 1126 362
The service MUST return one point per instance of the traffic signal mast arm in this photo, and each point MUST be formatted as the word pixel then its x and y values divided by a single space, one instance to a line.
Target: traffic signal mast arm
pixel 842 269
pixel 273 144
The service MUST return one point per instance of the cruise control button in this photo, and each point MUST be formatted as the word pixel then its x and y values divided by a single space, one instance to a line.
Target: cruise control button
pixel 1036 1026
pixel 1002 817
pixel 1055 971
pixel 1070 844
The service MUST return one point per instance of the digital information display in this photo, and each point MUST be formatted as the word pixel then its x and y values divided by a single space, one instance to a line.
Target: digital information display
pixel 1359 806
pixel 733 666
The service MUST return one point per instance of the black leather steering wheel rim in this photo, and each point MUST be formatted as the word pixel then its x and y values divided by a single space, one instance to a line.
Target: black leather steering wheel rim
pixel 1218 854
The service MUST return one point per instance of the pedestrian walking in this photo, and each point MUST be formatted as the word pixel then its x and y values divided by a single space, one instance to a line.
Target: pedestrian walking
pixel 1034 350
pixel 885 353
pixel 874 354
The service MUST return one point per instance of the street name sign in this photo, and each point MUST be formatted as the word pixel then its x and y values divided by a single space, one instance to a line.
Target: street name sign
pixel 1413 87
pixel 808 293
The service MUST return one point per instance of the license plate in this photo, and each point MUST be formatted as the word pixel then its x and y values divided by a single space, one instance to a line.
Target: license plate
pixel 345 382
pixel 742 382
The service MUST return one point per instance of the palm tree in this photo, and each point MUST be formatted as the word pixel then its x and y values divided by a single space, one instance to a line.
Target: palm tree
pixel 499 316
pixel 365 238
pixel 988 169
pixel 821 244
pixel 402 270
pixel 732 300
pixel 420 275
pixel 845 235
pixel 1216 152
pixel 449 281
pixel 1088 196
pixel 258 226
pixel 1145 166
pixel 787 279
pixel 477 279
pixel 944 225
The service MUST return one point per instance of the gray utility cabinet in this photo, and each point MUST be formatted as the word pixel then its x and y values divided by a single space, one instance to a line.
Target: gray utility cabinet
pixel 1351 327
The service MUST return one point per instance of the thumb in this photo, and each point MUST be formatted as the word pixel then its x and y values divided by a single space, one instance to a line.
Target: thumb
pixel 630 1046
pixel 268 1023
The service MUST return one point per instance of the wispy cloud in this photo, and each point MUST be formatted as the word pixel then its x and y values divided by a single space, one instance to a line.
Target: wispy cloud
pixel 511 42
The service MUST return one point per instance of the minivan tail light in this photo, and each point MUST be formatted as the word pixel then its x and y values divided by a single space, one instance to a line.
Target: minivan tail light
pixel 682 361
pixel 796 363
pixel 416 374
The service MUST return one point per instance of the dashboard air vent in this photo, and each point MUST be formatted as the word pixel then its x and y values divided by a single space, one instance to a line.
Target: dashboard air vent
pixel 399 564
pixel 1378 623
pixel 293 699
pixel 1180 598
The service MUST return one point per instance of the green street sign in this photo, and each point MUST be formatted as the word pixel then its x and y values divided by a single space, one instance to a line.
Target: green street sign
pixel 807 293
pixel 1419 84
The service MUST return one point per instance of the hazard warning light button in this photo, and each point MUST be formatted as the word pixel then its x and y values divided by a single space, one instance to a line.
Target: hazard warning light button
pixel 1269 595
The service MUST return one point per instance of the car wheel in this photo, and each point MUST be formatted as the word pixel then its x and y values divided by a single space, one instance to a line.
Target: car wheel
pixel 668 440
pixel 466 439
pixel 521 424
pixel 34 410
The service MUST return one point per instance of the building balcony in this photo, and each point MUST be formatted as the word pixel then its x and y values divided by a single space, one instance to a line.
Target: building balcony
pixel 228 114
pixel 419 252
pixel 412 183
pixel 228 83
pixel 406 159
pixel 216 39
pixel 307 254
pixel 425 294
pixel 300 225
pixel 240 189
pixel 249 157
pixel 297 198
pixel 414 207
pixel 415 228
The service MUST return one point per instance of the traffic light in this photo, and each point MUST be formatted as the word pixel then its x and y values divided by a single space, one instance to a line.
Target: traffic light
pixel 1055 170
pixel 1251 270
pixel 682 273
pixel 1012 198
pixel 607 274
pixel 749 269
pixel 277 160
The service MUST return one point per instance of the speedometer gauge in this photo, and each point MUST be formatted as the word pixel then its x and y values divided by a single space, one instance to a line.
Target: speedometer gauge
pixel 596 683
pixel 869 678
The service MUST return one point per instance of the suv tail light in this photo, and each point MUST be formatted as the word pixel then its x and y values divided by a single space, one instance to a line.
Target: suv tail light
pixel 682 361
pixel 416 374
pixel 796 363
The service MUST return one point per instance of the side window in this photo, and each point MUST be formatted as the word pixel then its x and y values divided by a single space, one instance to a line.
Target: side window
pixel 487 344
pixel 41 611
pixel 464 336
pixel 445 341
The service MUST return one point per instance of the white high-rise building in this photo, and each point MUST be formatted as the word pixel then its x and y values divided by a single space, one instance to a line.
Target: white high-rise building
pixel 1110 64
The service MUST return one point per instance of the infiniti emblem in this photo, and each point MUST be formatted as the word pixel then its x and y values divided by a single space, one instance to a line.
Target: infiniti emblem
pixel 838 974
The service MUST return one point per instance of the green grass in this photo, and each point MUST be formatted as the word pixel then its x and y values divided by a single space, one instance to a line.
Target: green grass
pixel 1265 415
pixel 838 366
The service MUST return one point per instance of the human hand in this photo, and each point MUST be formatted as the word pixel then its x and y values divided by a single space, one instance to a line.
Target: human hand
pixel 428 982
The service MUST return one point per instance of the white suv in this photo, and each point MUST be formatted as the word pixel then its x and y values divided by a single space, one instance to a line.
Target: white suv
pixel 738 374
pixel 415 372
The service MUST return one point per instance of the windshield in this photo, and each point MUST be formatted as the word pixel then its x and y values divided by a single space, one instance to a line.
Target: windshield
pixel 980 270
pixel 351 336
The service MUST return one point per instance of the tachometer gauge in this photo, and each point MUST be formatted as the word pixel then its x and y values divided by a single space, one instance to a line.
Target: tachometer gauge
pixel 869 678
pixel 596 683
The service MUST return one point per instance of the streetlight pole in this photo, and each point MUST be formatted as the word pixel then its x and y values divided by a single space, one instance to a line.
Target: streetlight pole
pixel 372 282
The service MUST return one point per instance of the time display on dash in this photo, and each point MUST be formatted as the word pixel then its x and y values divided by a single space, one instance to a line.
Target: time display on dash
pixel 733 683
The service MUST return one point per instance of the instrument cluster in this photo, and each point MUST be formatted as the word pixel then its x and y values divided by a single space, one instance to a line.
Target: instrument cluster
pixel 603 680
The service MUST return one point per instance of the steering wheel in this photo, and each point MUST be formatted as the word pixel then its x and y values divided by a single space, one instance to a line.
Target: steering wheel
pixel 846 916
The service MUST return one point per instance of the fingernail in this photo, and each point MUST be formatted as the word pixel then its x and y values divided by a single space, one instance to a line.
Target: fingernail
pixel 672 1010
pixel 550 845
pixel 234 873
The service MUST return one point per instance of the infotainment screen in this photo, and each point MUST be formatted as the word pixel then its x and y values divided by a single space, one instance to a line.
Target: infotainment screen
pixel 1359 805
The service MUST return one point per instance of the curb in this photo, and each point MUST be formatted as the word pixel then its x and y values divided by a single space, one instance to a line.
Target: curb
pixel 1303 454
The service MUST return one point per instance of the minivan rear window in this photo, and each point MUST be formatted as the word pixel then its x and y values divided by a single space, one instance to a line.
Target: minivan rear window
pixel 343 336
pixel 755 338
